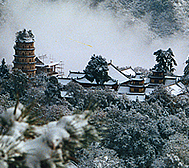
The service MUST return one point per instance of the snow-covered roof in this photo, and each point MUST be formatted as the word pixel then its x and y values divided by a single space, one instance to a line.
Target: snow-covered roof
pixel 123 89
pixel 40 66
pixel 146 80
pixel 39 61
pixel 170 77
pixel 180 84
pixel 86 81
pixel 177 88
pixel 131 96
pixel 116 74
pixel 170 80
pixel 53 64
pixel 75 75
pixel 137 78
pixel 129 72
pixel 64 81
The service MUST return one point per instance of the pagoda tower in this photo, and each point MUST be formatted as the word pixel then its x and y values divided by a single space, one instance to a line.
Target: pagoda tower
pixel 158 77
pixel 24 57
pixel 137 84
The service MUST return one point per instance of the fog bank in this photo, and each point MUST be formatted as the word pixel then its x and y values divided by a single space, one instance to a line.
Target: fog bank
pixel 71 31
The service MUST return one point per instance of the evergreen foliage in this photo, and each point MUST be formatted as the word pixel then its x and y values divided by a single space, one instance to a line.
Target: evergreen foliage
pixel 52 91
pixel 97 69
pixel 186 69
pixel 32 146
pixel 16 85
pixel 82 99
pixel 141 133
pixel 152 133
pixel 165 61
pixel 185 77
pixel 164 18
pixel 4 71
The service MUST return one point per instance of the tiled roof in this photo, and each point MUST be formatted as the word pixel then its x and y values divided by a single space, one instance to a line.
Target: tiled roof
pixel 75 75
pixel 129 72
pixel 116 74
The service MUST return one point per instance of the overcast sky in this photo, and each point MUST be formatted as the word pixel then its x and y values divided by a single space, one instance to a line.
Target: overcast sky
pixel 72 32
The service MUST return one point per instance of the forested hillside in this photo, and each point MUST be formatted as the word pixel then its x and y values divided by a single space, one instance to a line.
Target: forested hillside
pixel 95 127
pixel 151 133
pixel 163 17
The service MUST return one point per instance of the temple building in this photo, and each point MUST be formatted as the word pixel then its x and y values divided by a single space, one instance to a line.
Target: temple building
pixel 49 69
pixel 137 84
pixel 157 77
pixel 24 57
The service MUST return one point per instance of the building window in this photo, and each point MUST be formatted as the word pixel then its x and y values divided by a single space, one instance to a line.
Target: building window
pixel 161 81
pixel 136 89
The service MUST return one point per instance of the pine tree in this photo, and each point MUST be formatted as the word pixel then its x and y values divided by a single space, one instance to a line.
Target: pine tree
pixel 52 91
pixel 4 71
pixel 165 61
pixel 17 84
pixel 97 69
pixel 186 69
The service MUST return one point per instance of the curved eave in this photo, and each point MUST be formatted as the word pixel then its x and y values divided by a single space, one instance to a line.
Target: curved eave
pixel 24 49
pixel 156 71
pixel 24 63
pixel 156 77
pixel 29 70
pixel 136 86
pixel 154 84
pixel 24 56
pixel 136 93
pixel 25 41
pixel 135 79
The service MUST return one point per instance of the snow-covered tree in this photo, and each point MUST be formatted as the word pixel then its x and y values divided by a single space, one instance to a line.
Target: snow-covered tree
pixel 16 85
pixel 4 71
pixel 52 91
pixel 171 62
pixel 186 69
pixel 76 93
pixel 50 145
pixel 98 156
pixel 165 61
pixel 185 77
pixel 97 69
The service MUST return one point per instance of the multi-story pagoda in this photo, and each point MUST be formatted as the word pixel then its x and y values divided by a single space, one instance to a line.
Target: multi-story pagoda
pixel 24 57
pixel 157 77
pixel 137 84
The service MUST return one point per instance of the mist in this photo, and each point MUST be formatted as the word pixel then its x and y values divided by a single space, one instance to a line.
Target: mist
pixel 71 31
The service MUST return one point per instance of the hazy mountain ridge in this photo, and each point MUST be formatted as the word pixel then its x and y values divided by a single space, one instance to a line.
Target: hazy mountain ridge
pixel 164 17
pixel 135 28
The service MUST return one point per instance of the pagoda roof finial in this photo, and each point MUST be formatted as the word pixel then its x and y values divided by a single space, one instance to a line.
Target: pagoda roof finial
pixel 25 36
